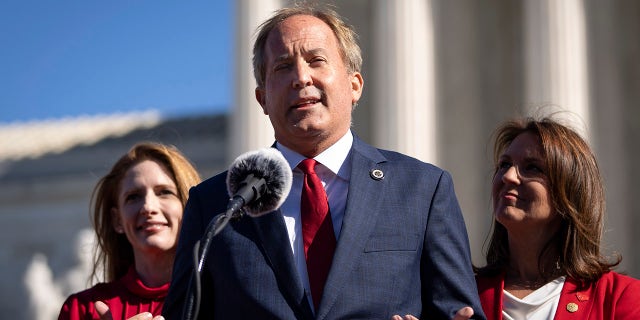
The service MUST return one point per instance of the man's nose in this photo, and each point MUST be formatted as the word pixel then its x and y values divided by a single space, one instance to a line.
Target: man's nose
pixel 302 75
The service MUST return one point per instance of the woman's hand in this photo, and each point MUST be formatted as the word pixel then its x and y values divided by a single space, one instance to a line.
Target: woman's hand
pixel 105 313
pixel 463 314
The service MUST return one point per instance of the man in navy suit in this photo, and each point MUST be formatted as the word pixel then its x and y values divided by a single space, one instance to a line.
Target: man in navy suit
pixel 402 246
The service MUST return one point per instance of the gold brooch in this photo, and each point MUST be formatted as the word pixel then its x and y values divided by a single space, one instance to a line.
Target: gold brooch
pixel 572 307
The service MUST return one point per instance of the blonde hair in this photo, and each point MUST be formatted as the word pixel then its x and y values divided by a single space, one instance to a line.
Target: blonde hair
pixel 349 49
pixel 114 253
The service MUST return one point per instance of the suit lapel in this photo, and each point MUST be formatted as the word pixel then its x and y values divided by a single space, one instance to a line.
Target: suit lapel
pixel 274 240
pixel 358 222
pixel 490 293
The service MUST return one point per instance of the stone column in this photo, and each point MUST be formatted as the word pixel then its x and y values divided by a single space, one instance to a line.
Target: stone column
pixel 613 105
pixel 557 73
pixel 249 128
pixel 404 95
pixel 556 60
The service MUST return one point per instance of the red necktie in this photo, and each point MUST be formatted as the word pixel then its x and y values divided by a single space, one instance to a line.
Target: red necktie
pixel 317 230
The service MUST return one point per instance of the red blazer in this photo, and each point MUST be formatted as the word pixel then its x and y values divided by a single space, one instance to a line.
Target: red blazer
pixel 613 296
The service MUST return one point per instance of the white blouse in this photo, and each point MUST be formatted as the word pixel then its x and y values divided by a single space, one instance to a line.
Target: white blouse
pixel 540 304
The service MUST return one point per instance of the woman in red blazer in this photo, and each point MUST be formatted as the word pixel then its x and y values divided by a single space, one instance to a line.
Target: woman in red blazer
pixel 138 209
pixel 544 260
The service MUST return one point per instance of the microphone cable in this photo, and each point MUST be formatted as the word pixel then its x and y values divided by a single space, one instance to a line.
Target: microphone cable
pixel 194 289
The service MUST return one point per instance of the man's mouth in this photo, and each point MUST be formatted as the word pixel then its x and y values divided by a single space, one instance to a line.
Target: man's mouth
pixel 305 103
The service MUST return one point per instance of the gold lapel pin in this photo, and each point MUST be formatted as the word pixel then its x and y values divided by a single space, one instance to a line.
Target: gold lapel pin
pixel 572 307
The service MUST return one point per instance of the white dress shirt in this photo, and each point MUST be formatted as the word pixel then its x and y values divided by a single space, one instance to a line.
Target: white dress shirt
pixel 334 170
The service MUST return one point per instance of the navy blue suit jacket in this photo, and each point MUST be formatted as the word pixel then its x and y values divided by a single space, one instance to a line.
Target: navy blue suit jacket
pixel 403 249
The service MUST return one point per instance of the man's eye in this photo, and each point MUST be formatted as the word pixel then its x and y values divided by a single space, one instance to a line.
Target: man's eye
pixel 317 61
pixel 281 66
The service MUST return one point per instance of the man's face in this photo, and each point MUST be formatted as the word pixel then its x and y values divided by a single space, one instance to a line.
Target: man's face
pixel 308 93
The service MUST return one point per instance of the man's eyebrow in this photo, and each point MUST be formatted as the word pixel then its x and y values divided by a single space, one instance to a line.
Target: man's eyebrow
pixel 288 56
pixel 282 57
pixel 315 51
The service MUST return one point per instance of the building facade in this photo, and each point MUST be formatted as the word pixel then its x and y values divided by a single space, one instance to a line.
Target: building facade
pixel 440 75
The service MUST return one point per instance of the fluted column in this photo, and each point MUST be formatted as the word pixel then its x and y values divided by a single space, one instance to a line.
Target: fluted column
pixel 249 128
pixel 404 95
pixel 557 73
pixel 556 59
pixel 612 114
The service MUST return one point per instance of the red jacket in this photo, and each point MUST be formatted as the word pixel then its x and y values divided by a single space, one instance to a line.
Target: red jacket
pixel 125 297
pixel 613 296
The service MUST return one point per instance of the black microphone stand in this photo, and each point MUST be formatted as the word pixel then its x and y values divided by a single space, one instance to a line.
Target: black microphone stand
pixel 194 289
pixel 251 189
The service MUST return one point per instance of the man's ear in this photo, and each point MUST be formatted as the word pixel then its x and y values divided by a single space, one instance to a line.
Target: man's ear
pixel 357 83
pixel 261 98
pixel 116 221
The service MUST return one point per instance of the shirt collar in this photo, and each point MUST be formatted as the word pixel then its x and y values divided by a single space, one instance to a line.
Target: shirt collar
pixel 332 158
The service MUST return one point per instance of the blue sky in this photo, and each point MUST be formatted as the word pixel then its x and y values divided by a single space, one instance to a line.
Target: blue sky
pixel 88 57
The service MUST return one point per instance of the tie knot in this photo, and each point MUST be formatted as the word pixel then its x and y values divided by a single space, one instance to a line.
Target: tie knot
pixel 308 166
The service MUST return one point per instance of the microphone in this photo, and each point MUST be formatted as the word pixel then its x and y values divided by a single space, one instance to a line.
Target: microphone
pixel 258 182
